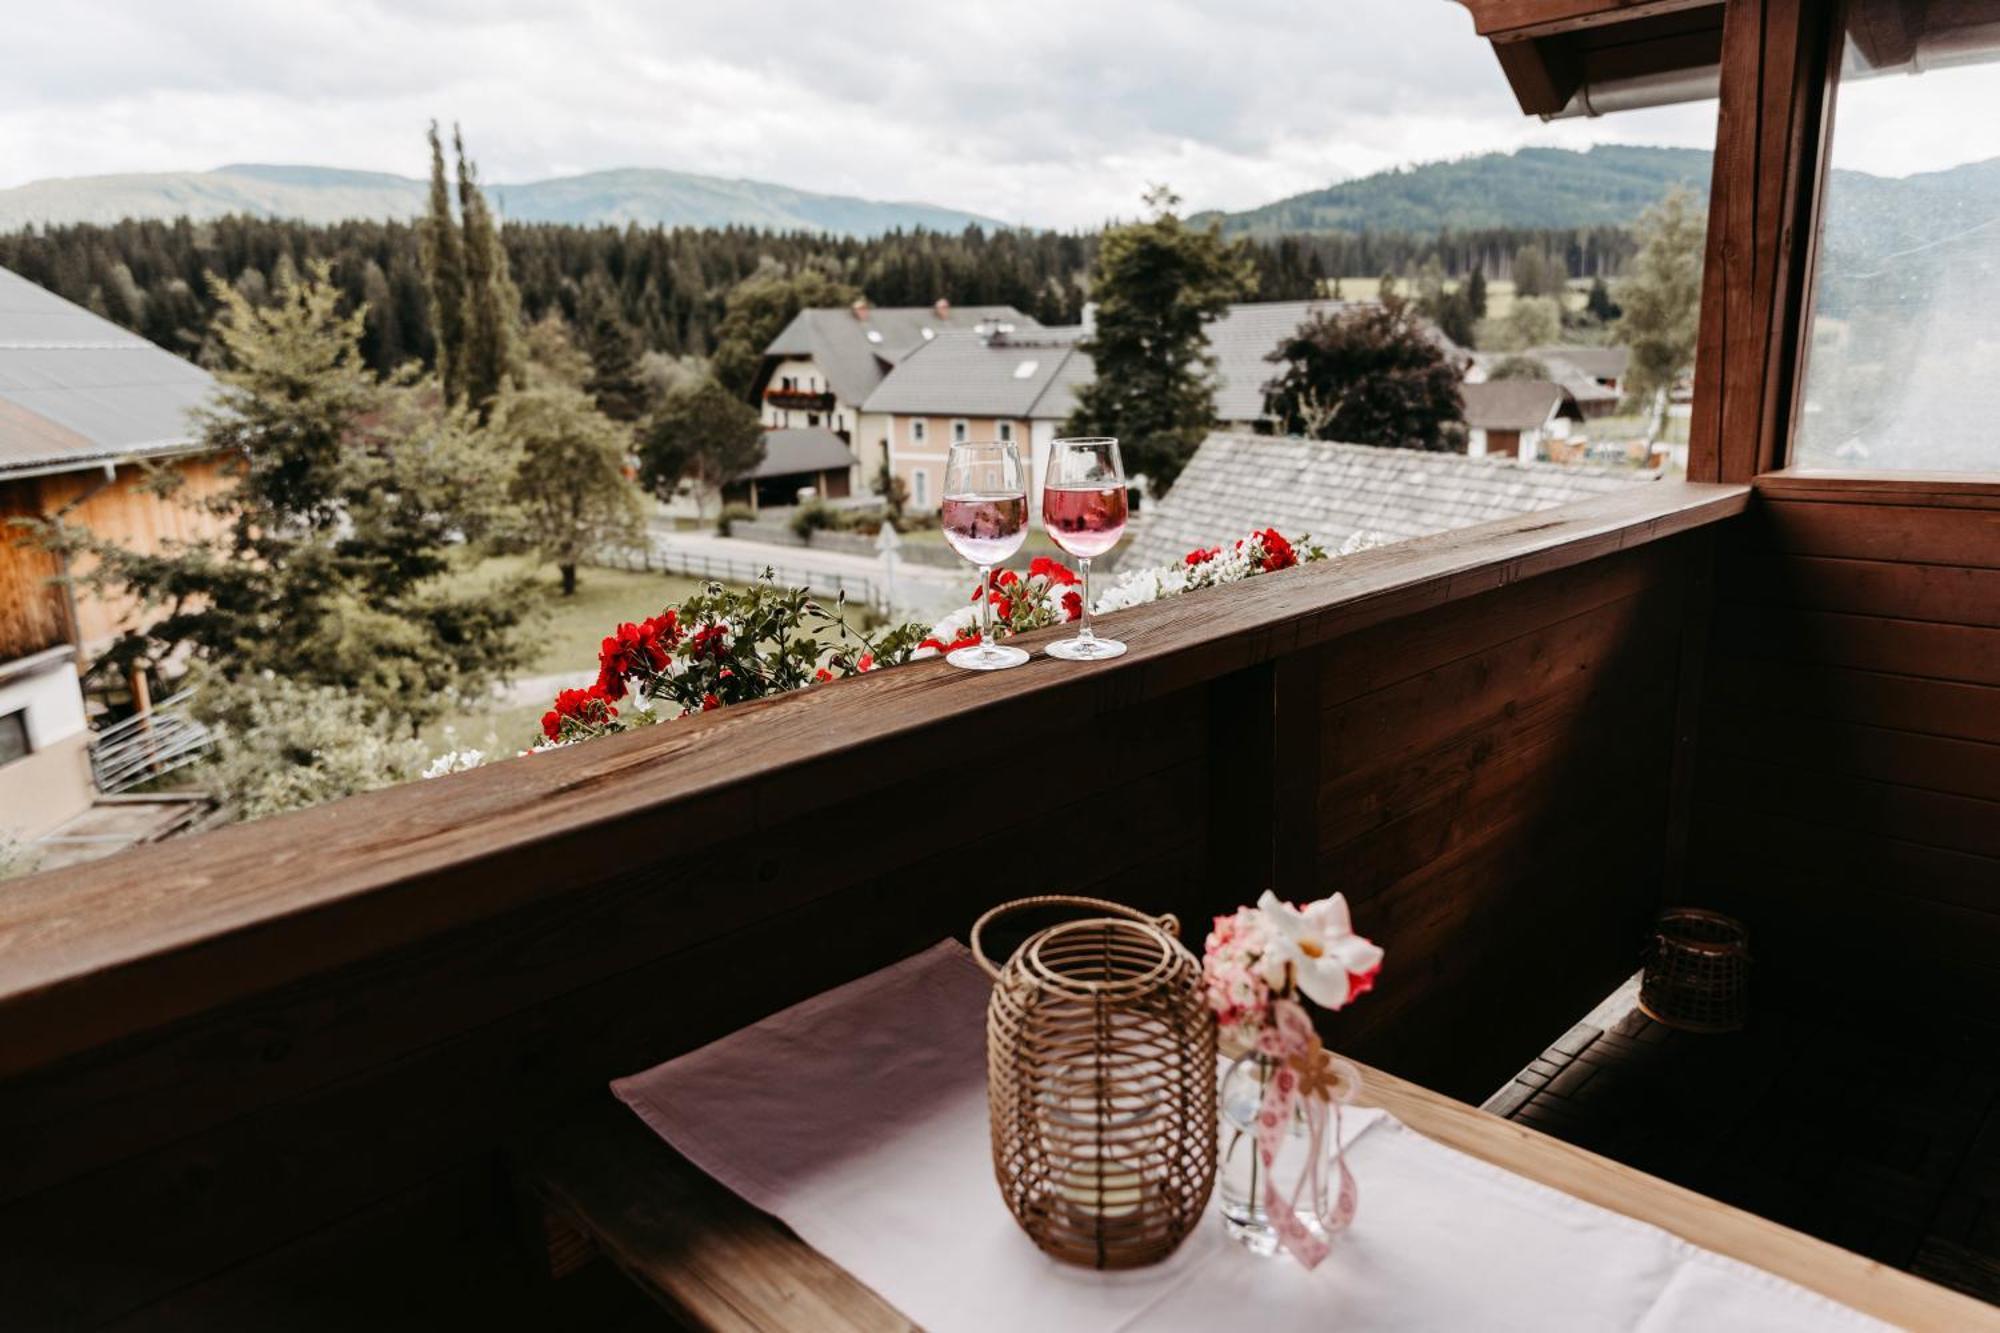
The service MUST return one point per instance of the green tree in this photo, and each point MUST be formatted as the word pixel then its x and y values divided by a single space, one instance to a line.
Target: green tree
pixel 570 481
pixel 1518 367
pixel 1157 285
pixel 757 310
pixel 1599 304
pixel 347 498
pixel 443 253
pixel 1448 309
pixel 551 355
pixel 1369 375
pixel 1661 297
pixel 617 380
pixel 1475 294
pixel 492 305
pixel 1531 321
pixel 700 433
pixel 895 492
pixel 1531 273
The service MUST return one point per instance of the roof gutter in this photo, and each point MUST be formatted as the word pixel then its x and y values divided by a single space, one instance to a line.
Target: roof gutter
pixel 104 458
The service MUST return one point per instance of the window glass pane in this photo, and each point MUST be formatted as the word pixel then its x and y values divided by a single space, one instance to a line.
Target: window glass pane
pixel 1903 366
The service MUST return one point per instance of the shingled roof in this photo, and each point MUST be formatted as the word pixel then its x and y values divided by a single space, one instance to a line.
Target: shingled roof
pixel 77 391
pixel 1237 483
pixel 1515 404
pixel 800 449
pixel 854 350
pixel 1244 337
pixel 1023 375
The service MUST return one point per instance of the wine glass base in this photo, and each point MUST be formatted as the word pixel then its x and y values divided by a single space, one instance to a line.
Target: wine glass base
pixel 987 657
pixel 1086 650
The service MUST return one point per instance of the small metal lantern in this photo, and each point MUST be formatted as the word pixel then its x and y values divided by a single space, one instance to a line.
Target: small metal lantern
pixel 1100 1082
pixel 1697 975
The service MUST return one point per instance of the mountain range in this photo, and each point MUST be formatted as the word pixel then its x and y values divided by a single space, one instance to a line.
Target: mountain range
pixel 646 196
pixel 1608 185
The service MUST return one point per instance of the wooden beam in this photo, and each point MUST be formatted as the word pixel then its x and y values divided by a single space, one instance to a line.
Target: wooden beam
pixel 1772 133
pixel 1537 18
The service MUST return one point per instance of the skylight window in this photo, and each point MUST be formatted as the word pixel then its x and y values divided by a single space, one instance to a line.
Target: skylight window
pixel 874 335
pixel 1025 369
pixel 929 334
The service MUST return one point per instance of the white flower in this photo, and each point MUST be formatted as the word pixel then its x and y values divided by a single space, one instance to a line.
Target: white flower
pixel 454 761
pixel 1319 946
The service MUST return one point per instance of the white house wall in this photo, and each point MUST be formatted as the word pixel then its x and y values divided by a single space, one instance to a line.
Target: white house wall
pixel 51 784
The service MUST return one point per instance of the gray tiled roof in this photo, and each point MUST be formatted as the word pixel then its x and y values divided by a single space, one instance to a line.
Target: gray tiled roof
pixel 1242 339
pixel 1023 375
pixel 802 449
pixel 1513 404
pixel 76 390
pixel 1237 483
pixel 1598 363
pixel 838 341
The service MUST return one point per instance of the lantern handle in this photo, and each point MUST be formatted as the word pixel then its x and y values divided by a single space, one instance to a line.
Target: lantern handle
pixel 1166 921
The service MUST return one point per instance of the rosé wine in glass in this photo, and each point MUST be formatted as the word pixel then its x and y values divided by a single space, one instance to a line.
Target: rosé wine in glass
pixel 985 518
pixel 985 529
pixel 1086 521
pixel 1083 507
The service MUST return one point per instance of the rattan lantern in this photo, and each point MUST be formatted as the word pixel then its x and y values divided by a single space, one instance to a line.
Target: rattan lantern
pixel 1697 974
pixel 1100 1081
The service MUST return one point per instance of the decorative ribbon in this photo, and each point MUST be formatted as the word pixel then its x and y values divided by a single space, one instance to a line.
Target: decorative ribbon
pixel 1274 1116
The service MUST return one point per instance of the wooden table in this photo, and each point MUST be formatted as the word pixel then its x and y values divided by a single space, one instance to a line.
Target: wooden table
pixel 720 1264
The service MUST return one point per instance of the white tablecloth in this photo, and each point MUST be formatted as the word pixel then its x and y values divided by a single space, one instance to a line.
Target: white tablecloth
pixel 859 1118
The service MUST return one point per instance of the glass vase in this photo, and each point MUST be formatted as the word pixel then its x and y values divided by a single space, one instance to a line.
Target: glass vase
pixel 1241 1180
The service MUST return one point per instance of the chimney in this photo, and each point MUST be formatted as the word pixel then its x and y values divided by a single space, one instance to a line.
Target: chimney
pixel 860 307
pixel 943 308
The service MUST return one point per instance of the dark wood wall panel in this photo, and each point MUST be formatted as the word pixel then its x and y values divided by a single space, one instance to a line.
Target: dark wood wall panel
pixel 1848 784
pixel 216 1141
pixel 1493 795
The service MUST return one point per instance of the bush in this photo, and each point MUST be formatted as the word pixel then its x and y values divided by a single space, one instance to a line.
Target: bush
pixel 813 516
pixel 730 516
pixel 283 745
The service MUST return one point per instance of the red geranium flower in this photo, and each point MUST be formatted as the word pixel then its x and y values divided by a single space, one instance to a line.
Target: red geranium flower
pixel 709 641
pixel 1278 553
pixel 822 675
pixel 709 701
pixel 641 649
pixel 1006 577
pixel 1052 570
pixel 587 707
pixel 1203 555
pixel 867 662
pixel 1072 605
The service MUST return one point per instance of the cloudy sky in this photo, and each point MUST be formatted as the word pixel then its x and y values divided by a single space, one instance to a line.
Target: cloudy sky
pixel 1048 113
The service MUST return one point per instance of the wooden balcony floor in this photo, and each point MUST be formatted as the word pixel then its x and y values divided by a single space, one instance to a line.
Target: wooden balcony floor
pixel 1882 1137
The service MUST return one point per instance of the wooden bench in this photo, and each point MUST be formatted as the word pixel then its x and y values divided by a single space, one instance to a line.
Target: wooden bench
pixel 718 1263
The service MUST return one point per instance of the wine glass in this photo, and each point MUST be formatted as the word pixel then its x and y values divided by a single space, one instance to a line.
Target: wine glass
pixel 985 519
pixel 1083 508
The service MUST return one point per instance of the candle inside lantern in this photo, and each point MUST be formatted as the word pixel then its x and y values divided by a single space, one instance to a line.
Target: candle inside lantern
pixel 1099 1189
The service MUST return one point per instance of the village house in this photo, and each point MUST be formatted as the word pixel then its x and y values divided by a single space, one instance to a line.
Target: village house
pixel 1005 380
pixel 798 461
pixel 997 382
pixel 820 369
pixel 1515 418
pixel 87 413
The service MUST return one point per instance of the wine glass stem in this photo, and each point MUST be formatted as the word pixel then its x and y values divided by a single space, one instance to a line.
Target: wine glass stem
pixel 986 610
pixel 1084 631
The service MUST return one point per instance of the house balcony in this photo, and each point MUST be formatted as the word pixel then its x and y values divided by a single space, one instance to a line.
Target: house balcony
pixel 291 1065
pixel 799 400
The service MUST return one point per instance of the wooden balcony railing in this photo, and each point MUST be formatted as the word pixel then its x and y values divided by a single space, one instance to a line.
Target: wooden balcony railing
pixel 803 400
pixel 218 1051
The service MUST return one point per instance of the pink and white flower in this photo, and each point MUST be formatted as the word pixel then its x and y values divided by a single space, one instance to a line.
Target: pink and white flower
pixel 1317 946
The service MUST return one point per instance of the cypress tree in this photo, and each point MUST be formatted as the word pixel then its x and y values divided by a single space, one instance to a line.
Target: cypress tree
pixel 492 305
pixel 444 277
